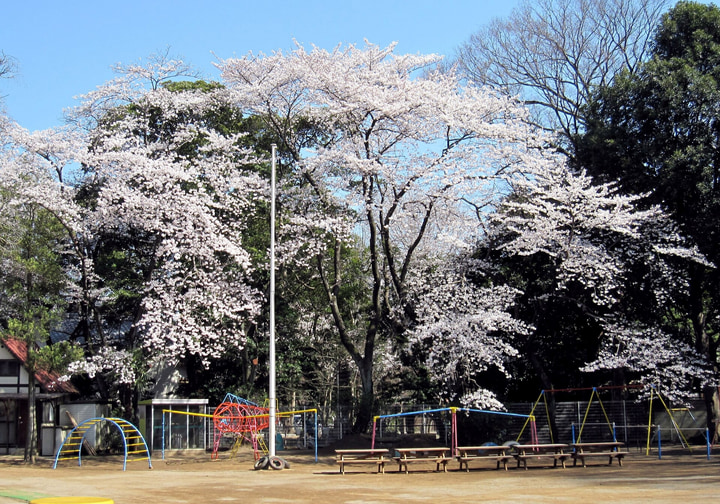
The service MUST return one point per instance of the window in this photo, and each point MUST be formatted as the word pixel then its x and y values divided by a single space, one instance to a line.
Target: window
pixel 9 367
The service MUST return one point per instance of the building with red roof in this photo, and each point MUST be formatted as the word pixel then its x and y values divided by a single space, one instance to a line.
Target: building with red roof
pixel 51 391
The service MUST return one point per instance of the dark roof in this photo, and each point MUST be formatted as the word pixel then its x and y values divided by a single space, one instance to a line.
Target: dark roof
pixel 49 381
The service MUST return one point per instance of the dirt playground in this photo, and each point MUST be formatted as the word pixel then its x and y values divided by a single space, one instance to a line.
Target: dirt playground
pixel 183 478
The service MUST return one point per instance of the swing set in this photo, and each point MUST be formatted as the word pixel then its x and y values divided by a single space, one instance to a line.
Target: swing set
pixel 529 419
pixel 595 395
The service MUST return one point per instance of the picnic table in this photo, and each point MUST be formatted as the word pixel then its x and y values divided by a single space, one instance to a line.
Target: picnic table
pixel 555 451
pixel 441 456
pixel 362 456
pixel 610 449
pixel 499 454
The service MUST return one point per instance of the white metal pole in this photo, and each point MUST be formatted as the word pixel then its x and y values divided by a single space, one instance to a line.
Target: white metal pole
pixel 271 393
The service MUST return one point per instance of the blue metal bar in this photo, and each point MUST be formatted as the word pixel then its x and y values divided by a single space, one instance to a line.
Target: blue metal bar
pixel 407 413
pixel 494 412
pixel 163 435
pixel 707 442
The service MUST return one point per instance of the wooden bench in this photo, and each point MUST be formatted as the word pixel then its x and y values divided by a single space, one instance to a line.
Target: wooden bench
pixel 498 454
pixel 554 451
pixel 438 455
pixel 359 456
pixel 610 449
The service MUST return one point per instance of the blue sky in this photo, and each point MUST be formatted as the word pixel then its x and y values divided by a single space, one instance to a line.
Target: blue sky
pixel 66 48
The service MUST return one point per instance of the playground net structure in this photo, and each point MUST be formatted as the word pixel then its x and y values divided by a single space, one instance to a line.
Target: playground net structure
pixel 237 421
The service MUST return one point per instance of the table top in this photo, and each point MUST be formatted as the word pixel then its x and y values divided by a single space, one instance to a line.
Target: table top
pixel 600 444
pixel 484 448
pixel 422 450
pixel 361 451
pixel 555 446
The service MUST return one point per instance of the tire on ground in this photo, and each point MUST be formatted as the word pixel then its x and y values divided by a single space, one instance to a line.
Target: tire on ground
pixel 262 463
pixel 277 463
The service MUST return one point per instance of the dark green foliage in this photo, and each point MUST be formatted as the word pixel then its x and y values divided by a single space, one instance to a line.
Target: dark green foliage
pixel 657 132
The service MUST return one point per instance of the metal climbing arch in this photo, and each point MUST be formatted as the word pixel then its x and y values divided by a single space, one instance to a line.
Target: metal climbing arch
pixel 133 441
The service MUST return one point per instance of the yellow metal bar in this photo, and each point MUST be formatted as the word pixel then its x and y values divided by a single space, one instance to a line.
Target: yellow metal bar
pixel 527 420
pixel 263 415
pixel 677 427
pixel 587 410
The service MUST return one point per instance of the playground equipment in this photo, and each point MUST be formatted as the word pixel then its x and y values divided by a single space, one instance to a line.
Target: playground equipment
pixel 595 398
pixel 243 419
pixel 594 395
pixel 654 393
pixel 453 423
pixel 133 441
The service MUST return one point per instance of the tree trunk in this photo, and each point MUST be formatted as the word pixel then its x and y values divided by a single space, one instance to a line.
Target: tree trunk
pixel 712 405
pixel 367 399
pixel 31 441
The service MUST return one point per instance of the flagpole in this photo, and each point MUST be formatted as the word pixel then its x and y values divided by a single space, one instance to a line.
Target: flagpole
pixel 271 392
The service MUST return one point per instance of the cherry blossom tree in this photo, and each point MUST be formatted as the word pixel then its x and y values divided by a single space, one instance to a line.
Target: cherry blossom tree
pixel 654 358
pixel 623 272
pixel 463 330
pixel 385 148
pixel 139 178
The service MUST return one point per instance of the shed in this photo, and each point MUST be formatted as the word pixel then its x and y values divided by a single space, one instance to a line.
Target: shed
pixel 185 421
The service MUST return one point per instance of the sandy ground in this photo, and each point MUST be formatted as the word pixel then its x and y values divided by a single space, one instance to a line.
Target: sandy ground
pixel 183 478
